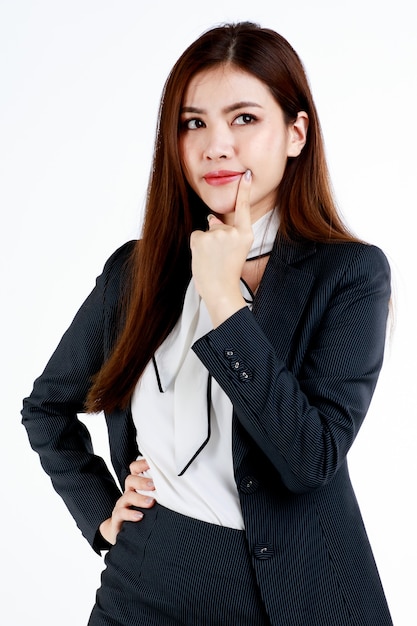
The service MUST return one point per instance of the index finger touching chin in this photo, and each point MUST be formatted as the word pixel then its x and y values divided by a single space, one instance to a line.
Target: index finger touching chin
pixel 242 209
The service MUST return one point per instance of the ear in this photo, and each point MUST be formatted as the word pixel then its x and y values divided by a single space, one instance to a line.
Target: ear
pixel 297 134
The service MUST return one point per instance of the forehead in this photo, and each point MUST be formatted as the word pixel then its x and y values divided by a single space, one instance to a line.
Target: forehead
pixel 225 83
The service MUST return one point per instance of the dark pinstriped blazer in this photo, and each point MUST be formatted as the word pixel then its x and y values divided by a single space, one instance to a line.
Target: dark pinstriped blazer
pixel 300 371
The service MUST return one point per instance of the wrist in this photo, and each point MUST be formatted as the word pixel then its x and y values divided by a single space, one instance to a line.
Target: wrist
pixel 224 307
pixel 106 532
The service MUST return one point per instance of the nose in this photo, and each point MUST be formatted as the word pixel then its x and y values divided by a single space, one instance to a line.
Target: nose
pixel 219 143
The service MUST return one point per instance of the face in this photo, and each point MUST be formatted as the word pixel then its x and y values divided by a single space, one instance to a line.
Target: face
pixel 230 122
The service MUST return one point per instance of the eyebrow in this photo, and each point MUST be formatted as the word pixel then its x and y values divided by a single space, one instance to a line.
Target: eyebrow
pixel 229 109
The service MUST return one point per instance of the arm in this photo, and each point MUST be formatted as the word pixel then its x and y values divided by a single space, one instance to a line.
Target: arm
pixel 50 413
pixel 306 423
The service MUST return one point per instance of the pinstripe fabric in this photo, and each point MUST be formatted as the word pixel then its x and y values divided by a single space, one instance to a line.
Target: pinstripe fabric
pixel 308 359
pixel 168 587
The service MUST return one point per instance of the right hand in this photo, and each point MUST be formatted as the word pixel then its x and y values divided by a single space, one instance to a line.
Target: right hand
pixel 219 254
pixel 122 511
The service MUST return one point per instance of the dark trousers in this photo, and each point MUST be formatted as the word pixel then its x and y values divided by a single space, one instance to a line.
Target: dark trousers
pixel 169 569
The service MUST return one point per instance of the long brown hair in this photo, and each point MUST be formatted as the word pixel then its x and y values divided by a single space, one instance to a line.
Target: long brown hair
pixel 160 267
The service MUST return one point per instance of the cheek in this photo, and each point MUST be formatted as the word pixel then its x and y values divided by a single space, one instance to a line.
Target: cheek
pixel 266 147
pixel 269 172
pixel 277 145
pixel 277 158
pixel 186 159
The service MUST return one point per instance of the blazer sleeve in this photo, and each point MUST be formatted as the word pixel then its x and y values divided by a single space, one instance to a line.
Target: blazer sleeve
pixel 50 413
pixel 306 423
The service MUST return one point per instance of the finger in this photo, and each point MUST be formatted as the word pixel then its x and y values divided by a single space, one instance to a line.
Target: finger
pixel 139 483
pixel 124 514
pixel 213 221
pixel 242 210
pixel 132 499
pixel 141 500
pixel 139 466
pixel 194 238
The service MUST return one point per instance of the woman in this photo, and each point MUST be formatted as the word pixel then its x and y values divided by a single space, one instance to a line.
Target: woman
pixel 234 350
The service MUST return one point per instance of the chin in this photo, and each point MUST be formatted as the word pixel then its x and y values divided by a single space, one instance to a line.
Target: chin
pixel 220 208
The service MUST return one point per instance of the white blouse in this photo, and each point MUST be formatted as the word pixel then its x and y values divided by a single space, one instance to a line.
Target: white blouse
pixel 183 418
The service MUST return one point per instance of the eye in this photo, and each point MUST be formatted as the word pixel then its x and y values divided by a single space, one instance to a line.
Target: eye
pixel 244 119
pixel 192 124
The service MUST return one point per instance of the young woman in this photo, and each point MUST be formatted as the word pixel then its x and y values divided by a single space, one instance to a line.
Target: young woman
pixel 234 350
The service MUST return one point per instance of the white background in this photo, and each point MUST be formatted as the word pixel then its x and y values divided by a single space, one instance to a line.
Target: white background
pixel 80 83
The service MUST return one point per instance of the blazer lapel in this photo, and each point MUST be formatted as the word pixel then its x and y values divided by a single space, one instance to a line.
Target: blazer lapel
pixel 283 293
pixel 278 307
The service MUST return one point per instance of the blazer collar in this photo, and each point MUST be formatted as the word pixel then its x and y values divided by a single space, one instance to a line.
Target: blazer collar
pixel 291 251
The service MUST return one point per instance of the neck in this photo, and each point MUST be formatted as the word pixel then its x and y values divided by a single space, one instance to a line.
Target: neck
pixel 264 232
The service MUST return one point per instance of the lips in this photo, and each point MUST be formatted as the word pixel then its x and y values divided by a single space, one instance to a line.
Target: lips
pixel 222 177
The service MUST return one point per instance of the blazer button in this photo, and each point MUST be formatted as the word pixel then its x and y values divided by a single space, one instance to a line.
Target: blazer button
pixel 248 484
pixel 264 551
